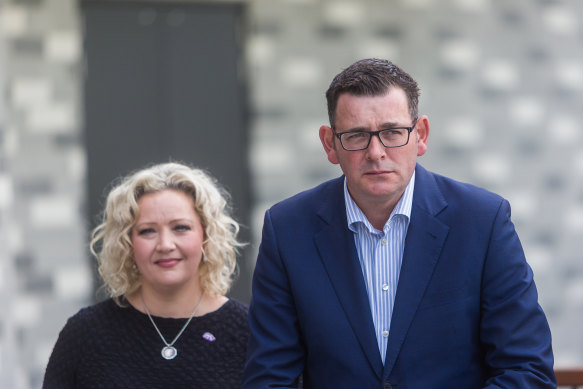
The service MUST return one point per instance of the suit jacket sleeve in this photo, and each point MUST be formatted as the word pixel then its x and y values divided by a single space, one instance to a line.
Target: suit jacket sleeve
pixel 514 331
pixel 275 355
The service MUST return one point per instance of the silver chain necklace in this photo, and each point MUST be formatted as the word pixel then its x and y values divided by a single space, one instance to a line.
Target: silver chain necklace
pixel 169 351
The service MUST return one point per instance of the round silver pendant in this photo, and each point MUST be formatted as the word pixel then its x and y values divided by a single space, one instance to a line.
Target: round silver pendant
pixel 169 352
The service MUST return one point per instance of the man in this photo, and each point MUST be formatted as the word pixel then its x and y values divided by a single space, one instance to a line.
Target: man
pixel 392 276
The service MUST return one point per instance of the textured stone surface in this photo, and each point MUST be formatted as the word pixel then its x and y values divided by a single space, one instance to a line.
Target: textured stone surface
pixel 502 84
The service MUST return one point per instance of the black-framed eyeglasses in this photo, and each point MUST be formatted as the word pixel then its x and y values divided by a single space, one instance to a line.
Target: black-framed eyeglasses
pixel 389 137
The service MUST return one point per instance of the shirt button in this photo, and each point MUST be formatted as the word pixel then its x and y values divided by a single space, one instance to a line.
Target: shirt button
pixel 385 287
pixel 383 241
pixel 385 334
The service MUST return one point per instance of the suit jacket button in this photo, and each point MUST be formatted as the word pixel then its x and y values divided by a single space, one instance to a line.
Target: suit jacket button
pixel 387 385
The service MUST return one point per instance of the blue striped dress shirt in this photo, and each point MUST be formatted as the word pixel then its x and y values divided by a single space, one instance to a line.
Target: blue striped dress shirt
pixel 380 254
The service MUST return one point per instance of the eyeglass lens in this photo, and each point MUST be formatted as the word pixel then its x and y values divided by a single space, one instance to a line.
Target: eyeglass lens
pixel 361 139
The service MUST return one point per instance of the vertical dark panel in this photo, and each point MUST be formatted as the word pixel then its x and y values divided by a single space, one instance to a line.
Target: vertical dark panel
pixel 163 83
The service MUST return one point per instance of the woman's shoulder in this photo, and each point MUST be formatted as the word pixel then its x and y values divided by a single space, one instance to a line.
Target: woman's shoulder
pixel 230 326
pixel 93 316
pixel 75 340
pixel 235 309
pixel 90 324
pixel 232 314
pixel 104 307
pixel 237 306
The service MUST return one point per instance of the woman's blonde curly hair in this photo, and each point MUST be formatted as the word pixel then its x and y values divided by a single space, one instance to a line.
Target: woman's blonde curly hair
pixel 111 240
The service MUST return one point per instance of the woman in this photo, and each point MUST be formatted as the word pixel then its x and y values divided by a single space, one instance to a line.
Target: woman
pixel 166 252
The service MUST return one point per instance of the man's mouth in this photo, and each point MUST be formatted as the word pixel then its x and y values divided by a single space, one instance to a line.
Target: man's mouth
pixel 377 172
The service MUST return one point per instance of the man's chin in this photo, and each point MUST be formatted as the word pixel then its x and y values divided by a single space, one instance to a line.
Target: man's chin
pixel 382 192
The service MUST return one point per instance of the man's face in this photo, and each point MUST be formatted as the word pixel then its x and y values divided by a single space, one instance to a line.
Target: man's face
pixel 376 175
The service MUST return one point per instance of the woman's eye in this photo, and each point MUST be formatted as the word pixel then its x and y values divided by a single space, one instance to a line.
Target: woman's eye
pixel 182 227
pixel 145 231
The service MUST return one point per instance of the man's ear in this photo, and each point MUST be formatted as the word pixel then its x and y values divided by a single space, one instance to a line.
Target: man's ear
pixel 327 139
pixel 422 135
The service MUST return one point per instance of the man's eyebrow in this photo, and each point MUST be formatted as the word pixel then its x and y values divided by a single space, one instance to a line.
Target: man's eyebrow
pixel 392 124
pixel 357 128
pixel 384 125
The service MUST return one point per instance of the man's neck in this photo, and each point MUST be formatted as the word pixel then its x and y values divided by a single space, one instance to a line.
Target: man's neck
pixel 377 213
pixel 378 209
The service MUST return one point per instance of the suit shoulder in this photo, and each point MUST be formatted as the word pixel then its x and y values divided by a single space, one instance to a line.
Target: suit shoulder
pixel 308 199
pixel 460 198
pixel 465 191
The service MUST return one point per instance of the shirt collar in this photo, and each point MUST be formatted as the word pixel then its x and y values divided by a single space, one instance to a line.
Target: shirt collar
pixel 355 215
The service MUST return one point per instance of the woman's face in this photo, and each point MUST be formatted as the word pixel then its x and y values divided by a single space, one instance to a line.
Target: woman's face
pixel 167 240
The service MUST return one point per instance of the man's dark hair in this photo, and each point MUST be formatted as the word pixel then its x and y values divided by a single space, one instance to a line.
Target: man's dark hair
pixel 371 77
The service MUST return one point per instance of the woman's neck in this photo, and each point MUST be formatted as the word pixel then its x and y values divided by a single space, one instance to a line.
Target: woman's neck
pixel 175 304
pixel 167 303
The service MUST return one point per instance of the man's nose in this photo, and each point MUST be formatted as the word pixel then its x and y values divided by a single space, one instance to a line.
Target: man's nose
pixel 375 150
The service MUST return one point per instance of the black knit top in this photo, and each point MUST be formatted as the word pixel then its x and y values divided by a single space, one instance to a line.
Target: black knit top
pixel 106 346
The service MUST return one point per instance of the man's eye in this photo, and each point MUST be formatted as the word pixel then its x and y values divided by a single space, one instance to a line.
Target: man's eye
pixel 355 135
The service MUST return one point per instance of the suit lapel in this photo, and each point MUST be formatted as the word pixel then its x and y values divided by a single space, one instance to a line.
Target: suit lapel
pixel 337 250
pixel 425 238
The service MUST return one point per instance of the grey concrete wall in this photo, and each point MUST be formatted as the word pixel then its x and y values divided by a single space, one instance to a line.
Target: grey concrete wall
pixel 502 83
pixel 44 271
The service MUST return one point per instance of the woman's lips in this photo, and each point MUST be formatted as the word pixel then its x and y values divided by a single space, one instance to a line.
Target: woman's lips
pixel 167 262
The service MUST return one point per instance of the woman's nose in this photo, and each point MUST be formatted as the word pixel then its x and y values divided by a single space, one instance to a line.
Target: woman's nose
pixel 165 242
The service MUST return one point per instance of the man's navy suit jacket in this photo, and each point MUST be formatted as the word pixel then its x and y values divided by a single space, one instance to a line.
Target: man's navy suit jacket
pixel 466 314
